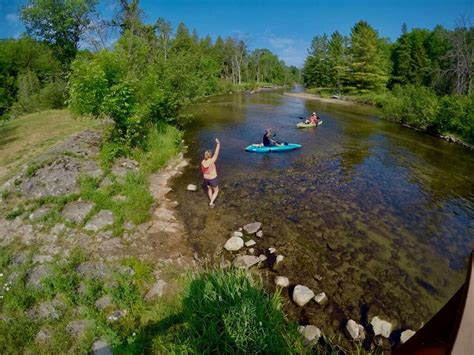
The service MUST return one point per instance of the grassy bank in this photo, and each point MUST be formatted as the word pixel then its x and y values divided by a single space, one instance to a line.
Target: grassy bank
pixel 26 137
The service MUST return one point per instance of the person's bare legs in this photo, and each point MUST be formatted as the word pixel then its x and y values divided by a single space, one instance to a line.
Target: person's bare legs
pixel 209 192
pixel 214 195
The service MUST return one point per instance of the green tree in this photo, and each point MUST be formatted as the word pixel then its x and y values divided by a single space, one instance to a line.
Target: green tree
pixel 59 23
pixel 368 64
pixel 317 69
pixel 337 59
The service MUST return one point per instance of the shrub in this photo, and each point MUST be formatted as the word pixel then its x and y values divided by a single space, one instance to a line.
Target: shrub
pixel 53 95
pixel 456 115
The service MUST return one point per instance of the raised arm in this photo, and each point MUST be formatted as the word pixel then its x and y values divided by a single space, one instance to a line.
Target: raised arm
pixel 216 152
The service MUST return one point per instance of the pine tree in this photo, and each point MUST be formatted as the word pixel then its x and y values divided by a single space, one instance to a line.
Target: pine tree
pixel 317 70
pixel 337 59
pixel 368 64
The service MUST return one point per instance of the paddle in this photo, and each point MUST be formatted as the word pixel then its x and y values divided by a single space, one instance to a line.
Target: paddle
pixel 278 142
pixel 301 118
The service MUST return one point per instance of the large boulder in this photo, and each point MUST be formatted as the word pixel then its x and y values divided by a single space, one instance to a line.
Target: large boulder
pixel 252 228
pixel 101 220
pixel 245 261
pixel 302 295
pixel 77 211
pixel 234 244
pixel 381 327
pixel 354 330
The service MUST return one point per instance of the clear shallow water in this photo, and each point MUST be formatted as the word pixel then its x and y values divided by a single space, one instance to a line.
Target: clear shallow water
pixel 384 214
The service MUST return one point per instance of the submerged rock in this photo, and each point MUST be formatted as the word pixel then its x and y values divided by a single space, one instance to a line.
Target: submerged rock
pixel 37 275
pixel 234 244
pixel 78 328
pixel 321 298
pixel 252 228
pixel 43 335
pixel 259 234
pixel 279 259
pixel 156 291
pixel 245 261
pixel 407 334
pixel 381 327
pixel 311 334
pixel 101 347
pixel 271 250
pixel 354 330
pixel 39 213
pixel 237 234
pixel 302 295
pixel 103 302
pixel 282 281
pixel 116 315
pixel 262 257
pixel 191 187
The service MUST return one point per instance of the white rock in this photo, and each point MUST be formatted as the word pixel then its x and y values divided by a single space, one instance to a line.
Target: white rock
pixel 191 187
pixel 245 261
pixel 262 257
pixel 259 234
pixel 302 295
pixel 250 243
pixel 311 334
pixel 321 298
pixel 234 244
pixel 381 327
pixel 237 234
pixel 271 250
pixel 252 228
pixel 251 250
pixel 282 281
pixel 279 259
pixel 354 330
pixel 407 334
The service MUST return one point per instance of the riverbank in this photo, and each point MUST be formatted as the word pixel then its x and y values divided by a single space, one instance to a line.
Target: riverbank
pixel 308 96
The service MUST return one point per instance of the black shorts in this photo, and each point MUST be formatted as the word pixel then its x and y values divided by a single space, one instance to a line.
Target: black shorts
pixel 211 182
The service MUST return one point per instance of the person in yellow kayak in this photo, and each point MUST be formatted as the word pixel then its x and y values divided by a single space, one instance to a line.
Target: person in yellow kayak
pixel 313 119
pixel 209 172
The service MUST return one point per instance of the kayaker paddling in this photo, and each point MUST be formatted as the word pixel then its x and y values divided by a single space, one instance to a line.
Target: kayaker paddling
pixel 209 172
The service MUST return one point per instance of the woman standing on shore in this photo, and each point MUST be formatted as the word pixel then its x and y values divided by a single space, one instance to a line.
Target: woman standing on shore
pixel 209 171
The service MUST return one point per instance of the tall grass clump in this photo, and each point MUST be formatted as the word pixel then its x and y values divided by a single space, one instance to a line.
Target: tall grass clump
pixel 163 143
pixel 228 311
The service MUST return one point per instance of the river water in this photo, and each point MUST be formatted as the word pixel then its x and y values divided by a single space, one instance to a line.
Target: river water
pixel 376 215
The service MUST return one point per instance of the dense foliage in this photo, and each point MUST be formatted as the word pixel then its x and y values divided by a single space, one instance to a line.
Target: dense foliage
pixel 424 79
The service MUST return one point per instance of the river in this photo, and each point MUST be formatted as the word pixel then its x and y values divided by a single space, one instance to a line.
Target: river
pixel 378 216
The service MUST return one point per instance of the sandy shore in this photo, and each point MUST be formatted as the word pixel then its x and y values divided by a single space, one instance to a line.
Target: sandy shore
pixel 318 98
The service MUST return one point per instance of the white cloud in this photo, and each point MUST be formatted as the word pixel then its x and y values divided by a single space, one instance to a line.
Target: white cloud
pixel 291 51
pixel 12 19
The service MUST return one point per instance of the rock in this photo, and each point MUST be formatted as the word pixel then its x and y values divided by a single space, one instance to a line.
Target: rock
pixel 39 213
pixel 354 330
pixel 234 244
pixel 103 302
pixel 237 234
pixel 123 166
pixel 156 291
pixel 192 187
pixel 381 327
pixel 407 334
pixel 58 228
pixel 101 220
pixel 37 275
pixel 252 228
pixel 43 335
pixel 251 250
pixel 101 347
pixel 282 281
pixel 262 257
pixel 279 259
pixel 245 261
pixel 321 298
pixel 259 234
pixel 77 211
pixel 116 315
pixel 93 270
pixel 311 334
pixel 302 295
pixel 271 250
pixel 250 243
pixel 47 310
pixel 317 277
pixel 78 328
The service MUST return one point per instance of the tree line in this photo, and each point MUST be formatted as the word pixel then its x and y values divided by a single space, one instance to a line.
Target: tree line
pixel 34 69
pixel 424 79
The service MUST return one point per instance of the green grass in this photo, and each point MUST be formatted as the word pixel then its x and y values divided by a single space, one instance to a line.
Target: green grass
pixel 26 137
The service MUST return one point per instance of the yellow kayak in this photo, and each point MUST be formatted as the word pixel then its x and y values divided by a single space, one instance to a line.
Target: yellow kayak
pixel 308 125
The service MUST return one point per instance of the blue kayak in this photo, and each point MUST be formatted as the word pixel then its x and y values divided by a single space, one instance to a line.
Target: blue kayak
pixel 273 148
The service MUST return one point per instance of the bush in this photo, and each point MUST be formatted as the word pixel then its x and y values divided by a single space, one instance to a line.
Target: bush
pixel 228 311
pixel 53 95
pixel 456 115
pixel 416 106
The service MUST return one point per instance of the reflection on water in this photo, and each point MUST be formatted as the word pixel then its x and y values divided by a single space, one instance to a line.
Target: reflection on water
pixel 384 214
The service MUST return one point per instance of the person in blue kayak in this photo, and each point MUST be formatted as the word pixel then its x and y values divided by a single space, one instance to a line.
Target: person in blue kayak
pixel 268 140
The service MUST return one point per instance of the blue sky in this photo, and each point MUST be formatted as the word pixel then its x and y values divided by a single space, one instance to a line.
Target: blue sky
pixel 285 27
